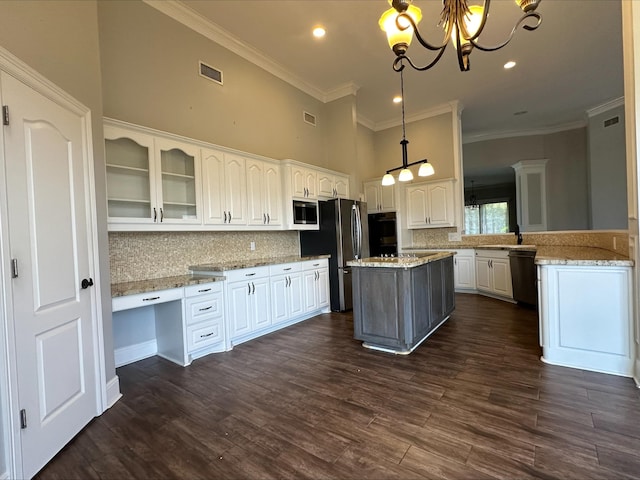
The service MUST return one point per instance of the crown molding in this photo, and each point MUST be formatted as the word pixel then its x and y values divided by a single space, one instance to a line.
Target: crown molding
pixel 431 112
pixel 480 137
pixel 200 24
pixel 365 122
pixel 605 107
pixel 341 91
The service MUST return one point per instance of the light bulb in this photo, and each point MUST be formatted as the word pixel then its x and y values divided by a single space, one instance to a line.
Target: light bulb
pixel 388 180
pixel 425 170
pixel 472 23
pixel 405 175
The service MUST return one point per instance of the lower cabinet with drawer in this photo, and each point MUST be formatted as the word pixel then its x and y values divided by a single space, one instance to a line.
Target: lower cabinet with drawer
pixel 179 324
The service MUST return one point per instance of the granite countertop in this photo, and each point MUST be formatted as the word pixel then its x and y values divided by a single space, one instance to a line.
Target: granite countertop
pixel 258 262
pixel 555 254
pixel 409 261
pixel 156 284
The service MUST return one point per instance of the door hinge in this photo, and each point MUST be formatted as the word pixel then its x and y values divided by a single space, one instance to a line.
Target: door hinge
pixel 23 419
pixel 14 268
pixel 5 115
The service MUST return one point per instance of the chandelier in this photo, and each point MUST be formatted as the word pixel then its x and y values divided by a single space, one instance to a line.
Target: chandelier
pixel 473 200
pixel 462 23
pixel 425 170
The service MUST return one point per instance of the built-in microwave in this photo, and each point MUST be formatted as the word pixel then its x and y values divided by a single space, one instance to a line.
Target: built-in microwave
pixel 305 213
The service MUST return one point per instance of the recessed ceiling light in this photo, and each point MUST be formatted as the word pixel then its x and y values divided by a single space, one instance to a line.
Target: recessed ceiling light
pixel 509 64
pixel 397 99
pixel 319 32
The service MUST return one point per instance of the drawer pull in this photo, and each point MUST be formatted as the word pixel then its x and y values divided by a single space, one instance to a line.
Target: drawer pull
pixel 316 264
pixel 206 335
pixel 287 269
pixel 249 274
pixel 205 308
pixel 204 290
pixel 149 299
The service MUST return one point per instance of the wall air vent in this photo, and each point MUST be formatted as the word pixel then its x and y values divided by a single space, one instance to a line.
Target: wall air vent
pixel 210 73
pixel 611 121
pixel 309 118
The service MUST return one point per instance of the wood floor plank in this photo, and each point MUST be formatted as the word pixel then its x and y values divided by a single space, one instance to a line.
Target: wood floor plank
pixel 473 401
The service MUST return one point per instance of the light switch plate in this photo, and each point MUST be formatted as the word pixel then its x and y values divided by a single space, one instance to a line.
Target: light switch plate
pixel 455 237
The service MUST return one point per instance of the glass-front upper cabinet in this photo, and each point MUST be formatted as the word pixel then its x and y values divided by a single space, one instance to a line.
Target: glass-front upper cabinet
pixel 151 181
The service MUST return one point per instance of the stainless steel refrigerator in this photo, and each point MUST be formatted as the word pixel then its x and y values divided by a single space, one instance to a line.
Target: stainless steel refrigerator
pixel 343 234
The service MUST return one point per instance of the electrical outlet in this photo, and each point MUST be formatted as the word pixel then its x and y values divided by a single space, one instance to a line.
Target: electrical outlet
pixel 252 246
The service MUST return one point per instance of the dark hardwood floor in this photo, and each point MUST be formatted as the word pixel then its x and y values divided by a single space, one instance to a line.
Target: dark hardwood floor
pixel 473 401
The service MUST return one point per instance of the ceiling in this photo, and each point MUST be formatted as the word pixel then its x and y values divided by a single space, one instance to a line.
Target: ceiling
pixel 570 64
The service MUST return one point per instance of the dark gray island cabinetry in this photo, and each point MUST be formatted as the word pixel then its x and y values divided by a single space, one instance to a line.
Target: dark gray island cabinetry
pixel 398 302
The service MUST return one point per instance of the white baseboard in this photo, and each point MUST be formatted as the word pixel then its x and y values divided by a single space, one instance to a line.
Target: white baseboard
pixel 636 372
pixel 113 391
pixel 133 353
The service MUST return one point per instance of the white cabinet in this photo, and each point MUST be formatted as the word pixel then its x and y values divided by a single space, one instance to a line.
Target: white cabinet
pixel 464 270
pixel 586 317
pixel 315 284
pixel 178 324
pixel 248 301
pixel 151 180
pixel 332 185
pixel 303 181
pixel 264 193
pixel 204 318
pixel 430 205
pixel 493 273
pixel 379 198
pixel 224 180
pixel 286 292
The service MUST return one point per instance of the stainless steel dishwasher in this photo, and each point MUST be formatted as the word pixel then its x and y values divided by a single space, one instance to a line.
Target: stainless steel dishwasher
pixel 523 276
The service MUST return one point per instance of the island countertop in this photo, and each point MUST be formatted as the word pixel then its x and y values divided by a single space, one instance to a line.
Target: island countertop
pixel 405 261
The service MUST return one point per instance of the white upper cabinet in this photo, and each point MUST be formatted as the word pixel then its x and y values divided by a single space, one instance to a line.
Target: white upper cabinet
pixel 333 185
pixel 303 182
pixel 264 193
pixel 151 181
pixel 379 198
pixel 430 205
pixel 225 192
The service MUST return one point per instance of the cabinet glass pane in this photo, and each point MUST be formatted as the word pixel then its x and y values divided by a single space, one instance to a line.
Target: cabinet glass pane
pixel 128 188
pixel 178 184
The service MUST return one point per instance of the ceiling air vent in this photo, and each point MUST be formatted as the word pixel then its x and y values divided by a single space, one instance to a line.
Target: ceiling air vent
pixel 309 118
pixel 211 73
pixel 611 121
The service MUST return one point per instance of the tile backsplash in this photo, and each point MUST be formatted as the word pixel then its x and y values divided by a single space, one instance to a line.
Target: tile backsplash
pixel 144 255
pixel 605 239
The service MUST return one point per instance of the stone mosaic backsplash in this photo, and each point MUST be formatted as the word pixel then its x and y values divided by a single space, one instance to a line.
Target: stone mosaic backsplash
pixel 137 256
pixel 592 238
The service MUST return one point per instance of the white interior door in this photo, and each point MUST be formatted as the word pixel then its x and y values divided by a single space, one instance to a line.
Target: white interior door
pixel 45 154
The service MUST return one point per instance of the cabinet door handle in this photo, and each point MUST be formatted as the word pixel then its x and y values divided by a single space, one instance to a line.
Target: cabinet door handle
pixel 287 281
pixel 249 287
pixel 155 215
pixel 229 216
pixel 161 215
pixel 149 299
pixel 225 217
pixel 254 288
pixel 205 308
pixel 206 335
pixel 264 218
pixel 268 219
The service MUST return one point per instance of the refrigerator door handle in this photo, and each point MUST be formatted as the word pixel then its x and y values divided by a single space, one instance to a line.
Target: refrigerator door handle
pixel 358 232
pixel 354 232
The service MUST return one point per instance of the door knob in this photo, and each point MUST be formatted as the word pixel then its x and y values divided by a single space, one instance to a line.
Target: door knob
pixel 86 283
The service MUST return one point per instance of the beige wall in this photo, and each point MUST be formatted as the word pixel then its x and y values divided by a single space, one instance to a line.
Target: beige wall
pixel 150 78
pixel 60 40
pixel 430 138
pixel 566 152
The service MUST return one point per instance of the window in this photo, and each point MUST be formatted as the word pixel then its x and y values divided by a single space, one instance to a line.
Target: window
pixel 490 217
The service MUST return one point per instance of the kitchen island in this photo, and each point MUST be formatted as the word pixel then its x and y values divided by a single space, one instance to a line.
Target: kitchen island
pixel 398 302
